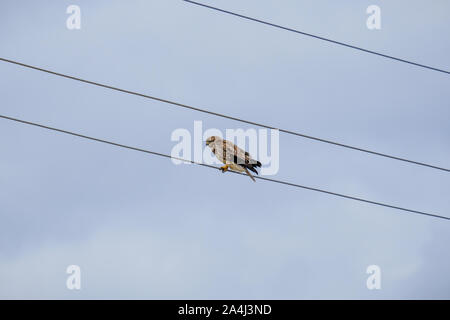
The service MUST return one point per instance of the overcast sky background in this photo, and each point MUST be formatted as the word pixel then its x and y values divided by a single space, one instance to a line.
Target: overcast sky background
pixel 141 227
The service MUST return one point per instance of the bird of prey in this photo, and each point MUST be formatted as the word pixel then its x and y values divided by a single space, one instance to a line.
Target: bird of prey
pixel 232 156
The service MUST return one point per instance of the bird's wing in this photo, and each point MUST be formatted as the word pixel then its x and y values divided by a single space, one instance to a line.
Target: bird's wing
pixel 236 155
pixel 233 154
pixel 229 153
pixel 241 157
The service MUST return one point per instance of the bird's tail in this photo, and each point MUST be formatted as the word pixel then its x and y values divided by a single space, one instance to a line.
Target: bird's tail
pixel 249 174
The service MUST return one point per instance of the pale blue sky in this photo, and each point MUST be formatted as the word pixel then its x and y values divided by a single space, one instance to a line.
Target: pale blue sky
pixel 141 227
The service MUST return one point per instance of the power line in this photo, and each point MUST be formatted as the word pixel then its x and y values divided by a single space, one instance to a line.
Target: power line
pixel 317 37
pixel 216 168
pixel 226 116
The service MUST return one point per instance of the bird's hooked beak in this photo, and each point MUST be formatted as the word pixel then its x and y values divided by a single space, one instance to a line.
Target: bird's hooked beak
pixel 210 140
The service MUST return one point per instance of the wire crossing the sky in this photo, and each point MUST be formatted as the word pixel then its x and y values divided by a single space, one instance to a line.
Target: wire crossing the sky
pixel 318 37
pixel 226 116
pixel 217 168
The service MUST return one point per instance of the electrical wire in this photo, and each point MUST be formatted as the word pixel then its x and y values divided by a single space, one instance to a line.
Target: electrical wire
pixel 317 37
pixel 216 168
pixel 185 106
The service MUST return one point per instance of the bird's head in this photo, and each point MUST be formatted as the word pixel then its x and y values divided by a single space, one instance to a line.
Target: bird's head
pixel 210 140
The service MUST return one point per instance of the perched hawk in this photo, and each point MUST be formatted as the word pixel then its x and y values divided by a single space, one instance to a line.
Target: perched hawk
pixel 233 157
